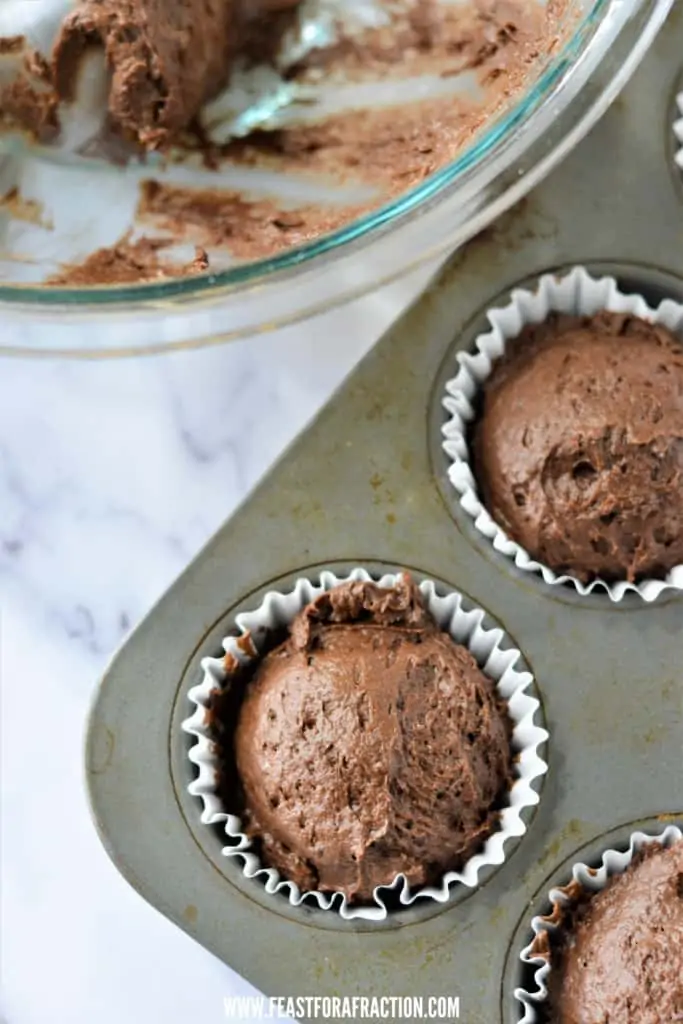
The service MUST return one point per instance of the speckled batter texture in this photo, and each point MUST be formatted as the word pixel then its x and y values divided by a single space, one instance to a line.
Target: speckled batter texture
pixel 621 958
pixel 369 743
pixel 579 447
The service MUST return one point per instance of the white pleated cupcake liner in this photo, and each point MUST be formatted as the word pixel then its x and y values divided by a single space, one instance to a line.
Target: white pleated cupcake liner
pixel 575 293
pixel 584 879
pixel 278 610
pixel 678 131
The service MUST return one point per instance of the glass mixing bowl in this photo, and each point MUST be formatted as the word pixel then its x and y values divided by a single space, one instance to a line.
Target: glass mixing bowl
pixel 504 161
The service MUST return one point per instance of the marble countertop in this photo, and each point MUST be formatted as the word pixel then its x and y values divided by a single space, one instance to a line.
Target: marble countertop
pixel 112 476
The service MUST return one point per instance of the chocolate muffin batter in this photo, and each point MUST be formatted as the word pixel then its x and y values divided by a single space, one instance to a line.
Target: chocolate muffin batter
pixel 166 57
pixel 579 447
pixel 369 743
pixel 621 958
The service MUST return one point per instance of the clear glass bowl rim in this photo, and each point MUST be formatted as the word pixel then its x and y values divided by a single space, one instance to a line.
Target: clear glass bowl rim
pixel 435 187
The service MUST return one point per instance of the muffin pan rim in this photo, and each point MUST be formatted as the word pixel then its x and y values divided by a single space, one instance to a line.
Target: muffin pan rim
pixel 180 767
pixel 438 417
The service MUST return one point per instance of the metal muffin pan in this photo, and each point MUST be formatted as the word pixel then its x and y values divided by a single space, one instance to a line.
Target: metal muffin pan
pixel 366 484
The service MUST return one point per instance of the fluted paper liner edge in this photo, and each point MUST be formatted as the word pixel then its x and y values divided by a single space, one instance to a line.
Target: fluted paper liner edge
pixel 678 132
pixel 466 627
pixel 577 293
pixel 583 879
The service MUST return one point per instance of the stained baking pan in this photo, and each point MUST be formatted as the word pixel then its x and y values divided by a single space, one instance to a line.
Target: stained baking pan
pixel 366 485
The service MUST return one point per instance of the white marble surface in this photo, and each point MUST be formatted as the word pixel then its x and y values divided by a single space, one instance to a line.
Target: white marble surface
pixel 112 475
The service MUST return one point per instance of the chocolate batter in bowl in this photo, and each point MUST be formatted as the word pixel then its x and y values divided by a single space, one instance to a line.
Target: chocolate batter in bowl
pixel 227 156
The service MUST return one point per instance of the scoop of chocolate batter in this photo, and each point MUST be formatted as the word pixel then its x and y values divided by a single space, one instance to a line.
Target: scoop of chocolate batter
pixel 621 960
pixel 369 743
pixel 166 57
pixel 579 448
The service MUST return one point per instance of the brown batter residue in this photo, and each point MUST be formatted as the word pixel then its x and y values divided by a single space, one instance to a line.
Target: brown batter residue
pixel 128 262
pixel 430 37
pixel 397 147
pixel 392 148
pixel 11 44
pixel 28 102
pixel 27 210
pixel 248 228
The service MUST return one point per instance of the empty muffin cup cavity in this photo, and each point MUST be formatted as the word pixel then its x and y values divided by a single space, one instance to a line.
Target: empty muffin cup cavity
pixel 330 786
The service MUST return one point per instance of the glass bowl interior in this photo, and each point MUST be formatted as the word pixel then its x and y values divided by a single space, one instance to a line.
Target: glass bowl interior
pixel 601 44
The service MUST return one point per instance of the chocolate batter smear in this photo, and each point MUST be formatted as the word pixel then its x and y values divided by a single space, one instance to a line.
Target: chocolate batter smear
pixel 27 101
pixel 429 37
pixel 394 148
pixel 20 208
pixel 128 262
pixel 248 228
